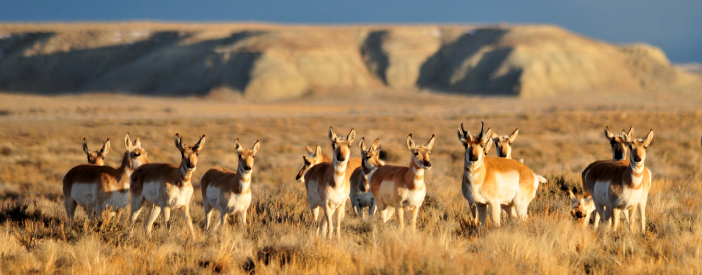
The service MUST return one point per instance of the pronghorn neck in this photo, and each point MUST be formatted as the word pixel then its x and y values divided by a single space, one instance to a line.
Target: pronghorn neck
pixel 339 171
pixel 472 166
pixel 415 176
pixel 474 171
pixel 185 174
pixel 243 178
pixel 637 173
pixel 127 165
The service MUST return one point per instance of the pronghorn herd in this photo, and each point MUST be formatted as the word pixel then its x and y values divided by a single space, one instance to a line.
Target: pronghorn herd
pixel 489 184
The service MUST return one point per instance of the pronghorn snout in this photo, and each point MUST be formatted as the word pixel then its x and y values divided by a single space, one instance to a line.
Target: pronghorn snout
pixel 474 157
pixel 427 165
pixel 637 159
pixel 577 214
pixel 619 154
pixel 247 168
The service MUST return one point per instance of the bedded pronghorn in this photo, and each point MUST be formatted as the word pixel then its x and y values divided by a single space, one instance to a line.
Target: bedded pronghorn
pixel 313 158
pixel 497 182
pixel 360 186
pixel 327 184
pixel 97 188
pixel 619 151
pixel 96 157
pixel 166 186
pixel 621 185
pixel 229 191
pixel 400 188
pixel 503 144
pixel 582 207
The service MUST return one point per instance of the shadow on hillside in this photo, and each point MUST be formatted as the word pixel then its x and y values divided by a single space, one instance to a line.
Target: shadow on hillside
pixel 447 70
pixel 141 67
pixel 374 56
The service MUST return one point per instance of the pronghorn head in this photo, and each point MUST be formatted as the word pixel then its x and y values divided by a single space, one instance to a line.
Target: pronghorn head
pixel 313 158
pixel 618 143
pixel 341 145
pixel 420 154
pixel 504 144
pixel 189 154
pixel 371 158
pixel 137 154
pixel 638 147
pixel 246 156
pixel 477 146
pixel 97 157
pixel 580 206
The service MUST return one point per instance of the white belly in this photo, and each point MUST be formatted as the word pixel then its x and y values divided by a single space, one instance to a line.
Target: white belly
pixel 116 200
pixel 413 199
pixel 630 198
pixel 335 196
pixel 229 203
pixel 84 194
pixel 601 195
pixel 313 196
pixel 385 193
pixel 180 196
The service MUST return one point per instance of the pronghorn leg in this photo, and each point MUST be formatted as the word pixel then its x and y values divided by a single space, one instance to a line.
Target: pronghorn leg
pixel 511 210
pixel 188 220
pixel 601 213
pixel 208 214
pixel 615 218
pixel 495 214
pixel 70 205
pixel 383 211
pixel 400 217
pixel 473 211
pixel 340 211
pixel 155 210
pixel 413 221
pixel 371 209
pixel 315 218
pixel 167 217
pixel 630 218
pixel 328 214
pixel 137 206
pixel 243 217
pixel 482 213
pixel 222 220
pixel 356 206
pixel 642 213
pixel 391 211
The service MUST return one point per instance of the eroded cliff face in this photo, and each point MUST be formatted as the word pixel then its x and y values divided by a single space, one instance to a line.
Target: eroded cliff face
pixel 269 62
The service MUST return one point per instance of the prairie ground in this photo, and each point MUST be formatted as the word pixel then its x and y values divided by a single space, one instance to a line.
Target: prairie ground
pixel 41 138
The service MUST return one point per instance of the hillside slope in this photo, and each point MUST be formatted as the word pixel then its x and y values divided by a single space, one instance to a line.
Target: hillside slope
pixel 271 62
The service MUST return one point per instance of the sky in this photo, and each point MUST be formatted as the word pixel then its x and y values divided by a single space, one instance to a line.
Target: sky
pixel 673 25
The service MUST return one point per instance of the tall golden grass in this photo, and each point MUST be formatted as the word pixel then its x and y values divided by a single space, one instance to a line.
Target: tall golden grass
pixel 36 149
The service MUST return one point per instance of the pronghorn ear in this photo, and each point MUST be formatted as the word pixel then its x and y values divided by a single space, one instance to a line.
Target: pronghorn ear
pixel 351 136
pixel 128 142
pixel 513 136
pixel 332 135
pixel 573 199
pixel 410 142
pixel 318 152
pixel 493 135
pixel 430 143
pixel 238 147
pixel 199 145
pixel 376 145
pixel 626 137
pixel 137 142
pixel 309 151
pixel 649 139
pixel 486 136
pixel 362 144
pixel 256 146
pixel 631 132
pixel 179 142
pixel 85 146
pixel 608 134
pixel 488 146
pixel 307 160
pixel 105 147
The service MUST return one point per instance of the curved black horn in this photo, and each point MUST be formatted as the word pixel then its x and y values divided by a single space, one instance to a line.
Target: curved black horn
pixel 482 129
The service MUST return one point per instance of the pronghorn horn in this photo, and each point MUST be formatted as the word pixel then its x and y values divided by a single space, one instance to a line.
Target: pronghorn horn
pixel 482 128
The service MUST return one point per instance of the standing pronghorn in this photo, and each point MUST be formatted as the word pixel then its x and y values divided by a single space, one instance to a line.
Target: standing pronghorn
pixel 503 144
pixel 360 186
pixel 96 157
pixel 402 188
pixel 97 188
pixel 166 186
pixel 619 150
pixel 313 158
pixel 327 183
pixel 229 191
pixel 621 185
pixel 497 182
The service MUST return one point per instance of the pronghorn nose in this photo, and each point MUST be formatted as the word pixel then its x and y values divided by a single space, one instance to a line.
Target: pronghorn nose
pixel 637 159
pixel 342 158
pixel 247 168
pixel 473 158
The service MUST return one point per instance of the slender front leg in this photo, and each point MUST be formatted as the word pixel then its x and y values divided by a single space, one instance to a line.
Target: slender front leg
pixel 413 221
pixel 155 210
pixel 167 217
pixel 642 212
pixel 629 215
pixel 371 209
pixel 495 216
pixel 340 215
pixel 615 217
pixel 315 217
pixel 482 213
pixel 243 217
pixel 188 220
pixel 223 219
pixel 601 213
pixel 400 217
pixel 208 214
pixel 328 213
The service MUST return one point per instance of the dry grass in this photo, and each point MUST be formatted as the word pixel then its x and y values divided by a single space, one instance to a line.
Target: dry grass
pixel 557 139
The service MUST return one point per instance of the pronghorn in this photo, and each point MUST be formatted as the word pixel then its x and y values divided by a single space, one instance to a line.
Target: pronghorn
pixel 166 186
pixel 619 150
pixel 621 185
pixel 229 191
pixel 401 188
pixel 313 158
pixel 582 207
pixel 360 186
pixel 96 157
pixel 97 188
pixel 328 185
pixel 503 144
pixel 618 143
pixel 497 182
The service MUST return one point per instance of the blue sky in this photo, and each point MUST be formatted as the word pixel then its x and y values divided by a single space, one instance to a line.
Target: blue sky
pixel 675 25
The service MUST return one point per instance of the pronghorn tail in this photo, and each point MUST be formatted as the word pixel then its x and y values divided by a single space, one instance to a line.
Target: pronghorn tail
pixel 538 179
